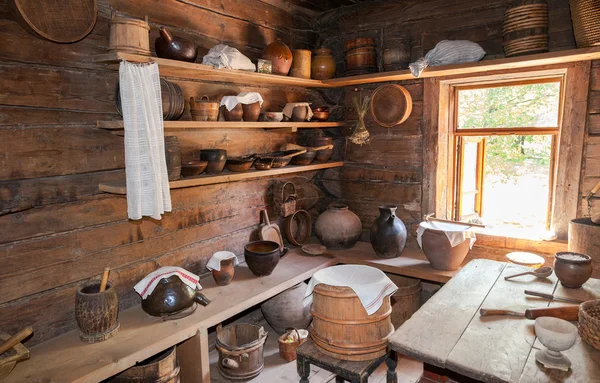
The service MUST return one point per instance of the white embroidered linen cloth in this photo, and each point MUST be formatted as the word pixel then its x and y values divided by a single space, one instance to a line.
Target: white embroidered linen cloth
pixel 223 56
pixel 456 234
pixel 289 108
pixel 214 263
pixel 243 98
pixel 147 285
pixel 371 285
pixel 147 181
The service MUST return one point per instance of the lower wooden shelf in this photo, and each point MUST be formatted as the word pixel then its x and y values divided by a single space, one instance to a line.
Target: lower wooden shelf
pixel 226 176
pixel 184 125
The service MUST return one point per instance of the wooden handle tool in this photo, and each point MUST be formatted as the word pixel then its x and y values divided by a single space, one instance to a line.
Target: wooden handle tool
pixel 15 339
pixel 104 279
pixel 552 297
pixel 490 312
pixel 570 313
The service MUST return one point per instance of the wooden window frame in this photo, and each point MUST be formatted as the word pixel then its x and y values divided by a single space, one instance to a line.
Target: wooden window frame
pixel 438 112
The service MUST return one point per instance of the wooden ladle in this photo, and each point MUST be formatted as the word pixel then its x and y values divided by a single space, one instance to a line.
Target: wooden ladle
pixel 542 272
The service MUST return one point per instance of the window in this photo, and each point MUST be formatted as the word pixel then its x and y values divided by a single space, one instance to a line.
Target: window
pixel 505 140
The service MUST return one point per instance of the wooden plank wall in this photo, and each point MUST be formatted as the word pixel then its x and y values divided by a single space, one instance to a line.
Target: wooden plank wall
pixel 56 229
pixel 590 171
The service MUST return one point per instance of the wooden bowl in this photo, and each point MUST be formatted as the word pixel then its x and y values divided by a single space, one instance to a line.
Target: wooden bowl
pixel 320 116
pixel 391 105
pixel 239 164
pixel 193 168
pixel 298 227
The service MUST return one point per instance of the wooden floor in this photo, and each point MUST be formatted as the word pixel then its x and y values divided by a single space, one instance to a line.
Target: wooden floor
pixel 277 370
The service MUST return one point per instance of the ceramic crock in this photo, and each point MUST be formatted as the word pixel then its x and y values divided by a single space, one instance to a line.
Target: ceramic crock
pixel 388 233
pixel 338 227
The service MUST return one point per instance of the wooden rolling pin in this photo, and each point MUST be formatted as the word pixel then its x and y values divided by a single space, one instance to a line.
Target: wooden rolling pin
pixel 570 313
pixel 15 339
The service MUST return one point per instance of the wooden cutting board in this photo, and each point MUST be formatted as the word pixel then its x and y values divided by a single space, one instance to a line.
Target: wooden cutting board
pixel 270 232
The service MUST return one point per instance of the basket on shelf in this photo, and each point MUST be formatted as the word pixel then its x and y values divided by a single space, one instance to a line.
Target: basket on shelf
pixel 585 15
pixel 525 28
pixel 287 350
pixel 284 198
pixel 589 323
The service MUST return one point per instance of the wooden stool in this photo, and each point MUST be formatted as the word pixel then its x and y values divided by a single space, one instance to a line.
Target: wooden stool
pixel 354 372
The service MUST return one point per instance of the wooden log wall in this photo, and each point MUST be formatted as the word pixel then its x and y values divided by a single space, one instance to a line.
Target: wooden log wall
pixel 590 171
pixel 57 229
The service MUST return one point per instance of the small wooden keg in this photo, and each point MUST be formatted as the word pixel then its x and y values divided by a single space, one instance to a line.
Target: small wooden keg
pixel 96 312
pixel 161 368
pixel 396 53
pixel 406 300
pixel 584 238
pixel 361 56
pixel 341 327
pixel 129 35
pixel 171 96
pixel 525 28
pixel 173 157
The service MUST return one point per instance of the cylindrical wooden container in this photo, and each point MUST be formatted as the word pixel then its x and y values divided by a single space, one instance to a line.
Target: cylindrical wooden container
pixel 171 96
pixel 97 313
pixel 129 35
pixel 407 300
pixel 301 63
pixel 584 238
pixel 525 28
pixel 585 15
pixel 161 368
pixel 173 157
pixel 204 110
pixel 361 56
pixel 240 348
pixel 396 53
pixel 341 327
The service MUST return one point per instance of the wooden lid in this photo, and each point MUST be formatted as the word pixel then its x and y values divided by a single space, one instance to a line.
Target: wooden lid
pixel 391 105
pixel 525 259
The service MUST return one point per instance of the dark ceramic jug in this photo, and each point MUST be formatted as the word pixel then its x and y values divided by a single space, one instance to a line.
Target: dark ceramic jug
pixel 172 296
pixel 169 47
pixel 388 233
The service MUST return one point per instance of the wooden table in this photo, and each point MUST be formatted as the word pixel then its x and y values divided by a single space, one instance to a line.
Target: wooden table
pixel 448 332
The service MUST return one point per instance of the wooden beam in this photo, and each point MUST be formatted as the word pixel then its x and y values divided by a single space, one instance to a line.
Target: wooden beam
pixel 174 125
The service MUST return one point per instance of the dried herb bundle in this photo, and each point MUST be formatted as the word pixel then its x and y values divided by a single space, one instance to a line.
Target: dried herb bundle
pixel 360 135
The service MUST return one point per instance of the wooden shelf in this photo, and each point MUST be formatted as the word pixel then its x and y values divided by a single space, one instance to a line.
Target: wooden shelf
pixel 226 176
pixel 181 125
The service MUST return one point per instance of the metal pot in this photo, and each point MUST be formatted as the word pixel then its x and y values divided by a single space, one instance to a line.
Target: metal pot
pixel 172 296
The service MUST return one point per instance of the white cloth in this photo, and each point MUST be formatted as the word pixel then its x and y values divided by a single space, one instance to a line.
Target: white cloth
pixel 371 285
pixel 448 52
pixel 456 234
pixel 147 285
pixel 145 165
pixel 289 108
pixel 243 98
pixel 214 263
pixel 223 56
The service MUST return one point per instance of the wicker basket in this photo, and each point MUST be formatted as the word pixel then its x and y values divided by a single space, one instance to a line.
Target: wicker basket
pixel 525 28
pixel 585 15
pixel 288 350
pixel 284 197
pixel 589 323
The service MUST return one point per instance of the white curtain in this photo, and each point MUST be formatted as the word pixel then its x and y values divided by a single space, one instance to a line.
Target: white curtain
pixel 145 165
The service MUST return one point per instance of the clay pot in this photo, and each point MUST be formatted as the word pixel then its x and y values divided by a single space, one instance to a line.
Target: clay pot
pixel 280 55
pixel 301 63
pixel 250 112
pixel 304 158
pixel 96 312
pixel 224 276
pixel 572 269
pixel 299 113
pixel 323 65
pixel 172 296
pixel 262 257
pixel 235 114
pixel 338 228
pixel 174 48
pixel 439 251
pixel 388 233
pixel 325 154
pixel 216 159
pixel 286 310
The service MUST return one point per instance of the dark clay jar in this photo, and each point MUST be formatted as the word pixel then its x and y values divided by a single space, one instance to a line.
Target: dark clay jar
pixel 572 269
pixel 262 257
pixel 388 233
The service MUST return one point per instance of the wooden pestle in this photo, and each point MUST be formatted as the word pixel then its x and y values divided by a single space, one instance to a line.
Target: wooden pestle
pixel 15 339
pixel 104 279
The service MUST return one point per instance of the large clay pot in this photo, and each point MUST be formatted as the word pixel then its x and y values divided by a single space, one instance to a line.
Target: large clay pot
pixel 280 55
pixel 439 250
pixel 286 310
pixel 388 233
pixel 250 112
pixel 169 47
pixel 235 114
pixel 338 228
pixel 323 65
pixel 323 155
pixel 572 269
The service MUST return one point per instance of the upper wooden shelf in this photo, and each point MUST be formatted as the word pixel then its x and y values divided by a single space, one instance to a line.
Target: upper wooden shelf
pixel 183 69
pixel 226 176
pixel 177 125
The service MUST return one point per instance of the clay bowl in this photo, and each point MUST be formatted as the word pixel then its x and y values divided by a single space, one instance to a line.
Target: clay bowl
pixel 321 109
pixel 572 269
pixel 278 159
pixel 304 158
pixel 298 227
pixel 259 165
pixel 439 251
pixel 235 114
pixel 274 116
pixel 193 168
pixel 240 164
pixel 325 154
pixel 216 159
pixel 262 257
pixel 251 112
pixel 320 116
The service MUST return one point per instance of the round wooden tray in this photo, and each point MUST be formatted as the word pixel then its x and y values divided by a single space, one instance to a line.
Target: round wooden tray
pixel 391 105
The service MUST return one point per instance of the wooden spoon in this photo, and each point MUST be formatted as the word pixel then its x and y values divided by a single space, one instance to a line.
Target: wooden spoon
pixel 542 272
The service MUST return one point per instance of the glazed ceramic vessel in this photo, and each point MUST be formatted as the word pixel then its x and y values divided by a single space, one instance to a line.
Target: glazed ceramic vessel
pixel 174 48
pixel 388 233
pixel 224 276
pixel 250 112
pixel 262 257
pixel 338 228
pixel 323 155
pixel 323 65
pixel 235 114
pixel 572 269
pixel 280 55
pixel 172 296
pixel 287 310
pixel 216 159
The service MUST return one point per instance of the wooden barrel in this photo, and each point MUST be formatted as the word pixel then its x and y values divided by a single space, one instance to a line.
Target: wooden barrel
pixel 361 56
pixel 240 348
pixel 161 368
pixel 584 238
pixel 341 327
pixel 396 53
pixel 585 15
pixel 525 28
pixel 173 157
pixel 129 35
pixel 407 300
pixel 171 95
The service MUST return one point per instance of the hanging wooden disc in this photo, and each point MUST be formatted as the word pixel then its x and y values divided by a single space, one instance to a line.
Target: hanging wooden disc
pixel 391 105
pixel 61 21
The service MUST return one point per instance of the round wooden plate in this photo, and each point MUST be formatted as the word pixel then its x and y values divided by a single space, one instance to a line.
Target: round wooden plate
pixel 314 249
pixel 61 21
pixel 391 105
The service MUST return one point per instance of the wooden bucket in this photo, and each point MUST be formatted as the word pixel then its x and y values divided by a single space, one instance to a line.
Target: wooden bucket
pixel 171 95
pixel 584 238
pixel 161 368
pixel 407 300
pixel 525 28
pixel 341 327
pixel 240 348
pixel 361 55
pixel 396 53
pixel 129 35
pixel 204 110
pixel 585 15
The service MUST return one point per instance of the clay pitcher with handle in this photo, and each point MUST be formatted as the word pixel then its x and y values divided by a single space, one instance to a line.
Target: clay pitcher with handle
pixel 174 48
pixel 388 233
